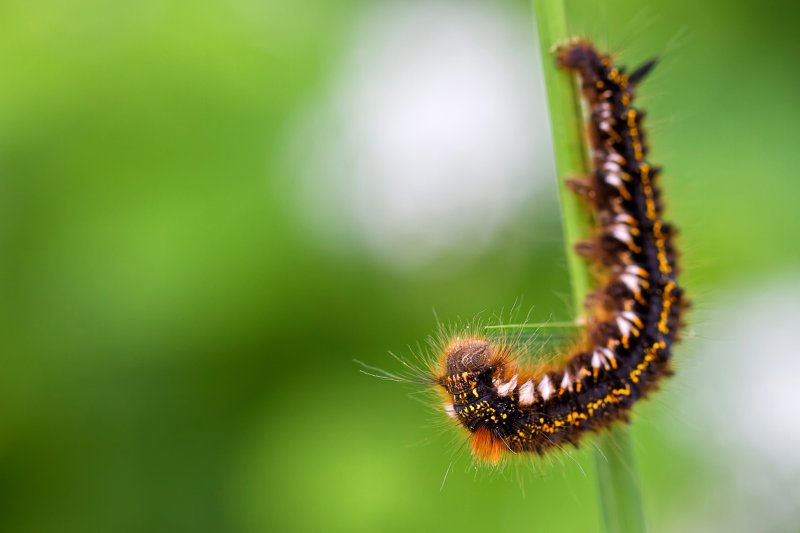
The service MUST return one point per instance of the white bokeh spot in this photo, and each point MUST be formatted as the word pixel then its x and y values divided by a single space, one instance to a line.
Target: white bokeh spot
pixel 433 134
pixel 745 381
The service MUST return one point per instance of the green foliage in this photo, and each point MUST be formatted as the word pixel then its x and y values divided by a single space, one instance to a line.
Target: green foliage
pixel 176 346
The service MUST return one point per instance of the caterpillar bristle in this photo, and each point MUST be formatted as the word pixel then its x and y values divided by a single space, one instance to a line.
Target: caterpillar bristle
pixel 588 248
pixel 642 71
pixel 582 187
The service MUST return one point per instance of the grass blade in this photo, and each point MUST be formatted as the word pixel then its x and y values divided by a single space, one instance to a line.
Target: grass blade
pixel 619 492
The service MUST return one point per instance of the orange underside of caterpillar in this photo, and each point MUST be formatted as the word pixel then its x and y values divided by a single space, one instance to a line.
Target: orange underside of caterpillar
pixel 633 318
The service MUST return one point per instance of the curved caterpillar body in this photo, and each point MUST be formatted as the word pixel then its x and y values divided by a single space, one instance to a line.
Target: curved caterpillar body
pixel 633 318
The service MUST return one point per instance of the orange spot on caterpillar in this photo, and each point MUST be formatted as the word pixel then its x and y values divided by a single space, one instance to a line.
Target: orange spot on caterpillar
pixel 486 446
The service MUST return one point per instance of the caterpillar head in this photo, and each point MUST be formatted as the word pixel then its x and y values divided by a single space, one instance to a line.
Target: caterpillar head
pixel 467 355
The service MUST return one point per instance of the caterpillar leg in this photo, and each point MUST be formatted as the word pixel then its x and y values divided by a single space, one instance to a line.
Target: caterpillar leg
pixel 582 186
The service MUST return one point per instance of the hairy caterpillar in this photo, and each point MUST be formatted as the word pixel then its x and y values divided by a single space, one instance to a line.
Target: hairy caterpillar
pixel 633 318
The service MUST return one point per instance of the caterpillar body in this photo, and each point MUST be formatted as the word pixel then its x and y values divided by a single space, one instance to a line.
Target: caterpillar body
pixel 633 318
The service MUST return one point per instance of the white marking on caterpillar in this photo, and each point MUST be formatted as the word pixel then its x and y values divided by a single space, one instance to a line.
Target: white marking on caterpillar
pixel 504 389
pixel 526 395
pixel 633 318
pixel 622 233
pixel 546 387
pixel 599 359
pixel 606 356
pixel 566 383
pixel 609 353
pixel 632 282
pixel 624 218
pixel 615 157
pixel 636 270
pixel 626 328
pixel 613 179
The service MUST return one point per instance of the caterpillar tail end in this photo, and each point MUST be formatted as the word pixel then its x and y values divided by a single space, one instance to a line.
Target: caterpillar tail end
pixel 487 447
pixel 641 72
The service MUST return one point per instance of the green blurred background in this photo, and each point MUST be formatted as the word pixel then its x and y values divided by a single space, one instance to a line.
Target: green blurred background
pixel 208 209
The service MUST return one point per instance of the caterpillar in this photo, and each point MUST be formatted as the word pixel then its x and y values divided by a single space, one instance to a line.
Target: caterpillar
pixel 633 318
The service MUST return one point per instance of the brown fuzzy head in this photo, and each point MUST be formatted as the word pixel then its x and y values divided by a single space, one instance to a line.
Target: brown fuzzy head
pixel 467 355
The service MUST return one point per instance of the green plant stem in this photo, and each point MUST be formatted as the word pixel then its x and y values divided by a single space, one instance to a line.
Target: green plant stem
pixel 533 325
pixel 620 498
pixel 620 495
pixel 568 141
